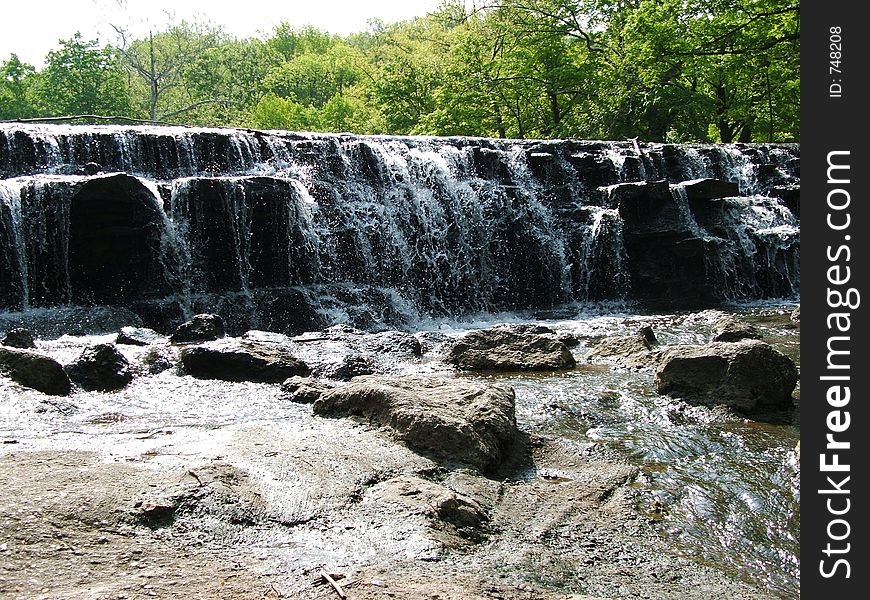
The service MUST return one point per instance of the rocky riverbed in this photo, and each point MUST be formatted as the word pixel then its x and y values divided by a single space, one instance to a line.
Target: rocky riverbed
pixel 442 463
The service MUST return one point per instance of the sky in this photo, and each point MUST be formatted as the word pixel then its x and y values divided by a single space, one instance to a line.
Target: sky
pixel 33 27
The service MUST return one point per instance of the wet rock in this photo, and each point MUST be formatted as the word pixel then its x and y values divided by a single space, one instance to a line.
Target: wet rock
pixel 504 349
pixel 305 390
pixel 100 368
pixel 115 230
pixel 19 338
pixel 348 367
pixel 710 189
pixel 452 420
pixel 432 340
pixel 157 360
pixel 630 351
pixel 35 371
pixel 796 315
pixel 790 195
pixel 748 375
pixel 647 333
pixel 633 192
pixel 569 339
pixel 91 168
pixel 387 342
pixel 137 336
pixel 533 328
pixel 230 360
pixel 201 328
pixel 730 329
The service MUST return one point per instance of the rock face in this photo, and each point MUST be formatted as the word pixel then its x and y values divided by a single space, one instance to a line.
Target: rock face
pixel 201 328
pixel 452 420
pixel 748 375
pixel 19 338
pixel 35 371
pixel 115 227
pixel 730 329
pixel 230 360
pixel 532 224
pixel 100 368
pixel 505 349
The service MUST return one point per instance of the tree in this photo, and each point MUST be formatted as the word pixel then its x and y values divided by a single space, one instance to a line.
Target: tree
pixel 16 79
pixel 160 61
pixel 226 81
pixel 81 78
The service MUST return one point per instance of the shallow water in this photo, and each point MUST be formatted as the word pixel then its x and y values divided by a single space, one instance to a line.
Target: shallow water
pixel 723 488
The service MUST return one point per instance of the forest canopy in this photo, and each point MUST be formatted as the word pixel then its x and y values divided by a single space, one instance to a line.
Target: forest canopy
pixel 657 70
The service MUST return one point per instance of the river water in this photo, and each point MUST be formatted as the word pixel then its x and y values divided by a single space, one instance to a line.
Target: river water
pixel 722 489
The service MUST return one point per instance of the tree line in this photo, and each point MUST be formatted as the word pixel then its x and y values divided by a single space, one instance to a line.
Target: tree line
pixel 657 70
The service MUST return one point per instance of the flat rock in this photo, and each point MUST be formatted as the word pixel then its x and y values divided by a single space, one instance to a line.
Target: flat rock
pixel 747 375
pixel 452 420
pixel 100 368
pixel 35 371
pixel 505 349
pixel 231 360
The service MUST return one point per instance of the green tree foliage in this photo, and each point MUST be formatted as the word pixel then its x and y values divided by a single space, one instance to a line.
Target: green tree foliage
pixel 159 63
pixel 16 98
pixel 658 70
pixel 81 78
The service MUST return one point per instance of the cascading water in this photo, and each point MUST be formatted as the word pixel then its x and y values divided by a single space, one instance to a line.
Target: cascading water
pixel 448 226
pixel 288 233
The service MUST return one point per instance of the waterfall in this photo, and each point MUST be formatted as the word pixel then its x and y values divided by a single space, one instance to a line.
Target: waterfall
pixel 310 226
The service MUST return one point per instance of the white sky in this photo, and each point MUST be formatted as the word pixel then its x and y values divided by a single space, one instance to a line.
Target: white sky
pixel 30 28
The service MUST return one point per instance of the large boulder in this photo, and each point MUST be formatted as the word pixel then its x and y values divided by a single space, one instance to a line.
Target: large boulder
pixel 452 420
pixel 230 360
pixel 201 328
pixel 35 371
pixel 19 338
pixel 509 349
pixel 630 351
pixel 100 368
pixel 748 375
